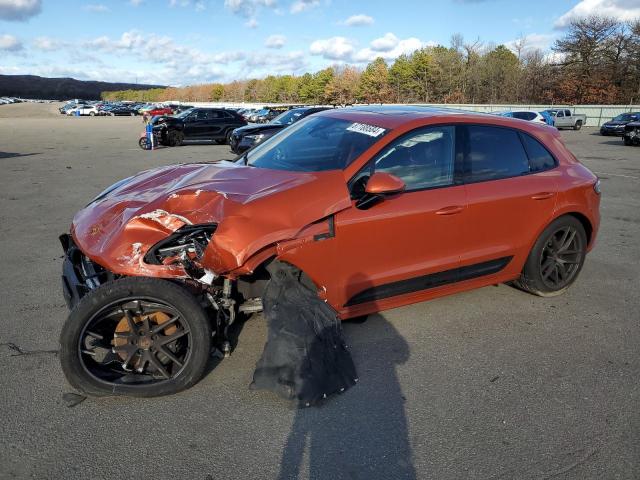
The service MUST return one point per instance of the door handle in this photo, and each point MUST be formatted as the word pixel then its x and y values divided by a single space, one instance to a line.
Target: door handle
pixel 542 195
pixel 449 210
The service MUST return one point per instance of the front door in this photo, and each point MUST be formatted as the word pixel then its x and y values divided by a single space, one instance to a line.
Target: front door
pixel 410 241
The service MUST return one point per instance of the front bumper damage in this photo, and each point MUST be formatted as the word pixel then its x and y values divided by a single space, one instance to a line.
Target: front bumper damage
pixel 80 275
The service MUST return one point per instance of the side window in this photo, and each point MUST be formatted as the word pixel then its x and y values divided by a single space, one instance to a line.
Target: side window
pixel 201 115
pixel 567 113
pixel 493 153
pixel 539 157
pixel 560 114
pixel 422 159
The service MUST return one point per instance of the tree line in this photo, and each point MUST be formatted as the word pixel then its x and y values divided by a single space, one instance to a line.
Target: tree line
pixel 597 61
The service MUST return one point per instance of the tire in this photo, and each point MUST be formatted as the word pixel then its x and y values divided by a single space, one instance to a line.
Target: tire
pixel 133 114
pixel 173 139
pixel 536 278
pixel 144 143
pixel 109 375
pixel 578 125
pixel 112 114
pixel 92 114
pixel 627 141
pixel 227 137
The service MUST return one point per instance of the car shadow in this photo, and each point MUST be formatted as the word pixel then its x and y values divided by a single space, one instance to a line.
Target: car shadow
pixel 362 433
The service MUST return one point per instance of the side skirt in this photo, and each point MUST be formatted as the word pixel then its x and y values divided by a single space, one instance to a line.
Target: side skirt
pixel 426 282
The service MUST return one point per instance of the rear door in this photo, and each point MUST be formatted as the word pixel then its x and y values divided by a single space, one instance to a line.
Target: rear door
pixel 511 188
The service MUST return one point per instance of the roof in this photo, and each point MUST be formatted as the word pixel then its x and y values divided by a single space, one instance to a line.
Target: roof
pixel 403 117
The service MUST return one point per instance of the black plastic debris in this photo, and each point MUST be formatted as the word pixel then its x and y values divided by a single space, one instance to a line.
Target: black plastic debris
pixel 305 358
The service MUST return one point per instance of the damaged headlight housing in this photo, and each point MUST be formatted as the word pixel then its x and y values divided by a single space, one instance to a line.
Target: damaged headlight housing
pixel 185 246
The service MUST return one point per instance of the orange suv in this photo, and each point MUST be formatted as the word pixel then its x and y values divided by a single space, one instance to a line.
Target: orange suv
pixel 375 207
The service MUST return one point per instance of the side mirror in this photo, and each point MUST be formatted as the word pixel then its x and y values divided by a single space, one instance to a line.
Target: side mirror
pixel 379 185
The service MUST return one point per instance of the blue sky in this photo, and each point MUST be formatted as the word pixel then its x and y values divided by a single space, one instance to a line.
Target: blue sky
pixel 181 42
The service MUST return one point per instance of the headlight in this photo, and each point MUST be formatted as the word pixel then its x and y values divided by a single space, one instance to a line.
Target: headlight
pixel 110 189
pixel 255 138
pixel 185 246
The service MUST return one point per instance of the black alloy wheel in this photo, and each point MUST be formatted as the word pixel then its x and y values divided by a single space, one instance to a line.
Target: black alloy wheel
pixel 555 259
pixel 135 336
pixel 561 257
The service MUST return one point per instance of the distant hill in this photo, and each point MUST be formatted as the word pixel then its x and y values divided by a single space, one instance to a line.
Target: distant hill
pixel 32 86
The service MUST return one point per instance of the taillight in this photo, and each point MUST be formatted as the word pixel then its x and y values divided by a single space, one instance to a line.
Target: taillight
pixel 596 187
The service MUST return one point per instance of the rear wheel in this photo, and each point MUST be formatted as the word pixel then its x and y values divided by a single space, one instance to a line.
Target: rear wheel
pixel 578 125
pixel 135 336
pixel 227 137
pixel 556 258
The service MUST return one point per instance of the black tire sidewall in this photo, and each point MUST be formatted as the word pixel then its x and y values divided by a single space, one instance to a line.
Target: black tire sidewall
pixel 532 275
pixel 110 292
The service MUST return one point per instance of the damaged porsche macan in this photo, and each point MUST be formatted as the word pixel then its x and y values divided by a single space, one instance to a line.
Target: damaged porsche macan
pixel 345 213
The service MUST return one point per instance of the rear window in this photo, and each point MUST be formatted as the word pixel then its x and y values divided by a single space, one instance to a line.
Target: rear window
pixel 493 153
pixel 539 157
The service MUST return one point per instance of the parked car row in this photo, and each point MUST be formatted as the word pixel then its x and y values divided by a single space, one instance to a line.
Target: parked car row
pixel 244 138
pixel 8 100
pixel 559 118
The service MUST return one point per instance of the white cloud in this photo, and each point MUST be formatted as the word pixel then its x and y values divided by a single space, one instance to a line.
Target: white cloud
pixel 358 20
pixel 10 43
pixel 618 9
pixel 275 41
pixel 389 47
pixel 385 43
pixel 248 8
pixel 47 44
pixel 301 5
pixel 251 23
pixel 534 41
pixel 136 3
pixel 96 8
pixel 335 48
pixel 19 10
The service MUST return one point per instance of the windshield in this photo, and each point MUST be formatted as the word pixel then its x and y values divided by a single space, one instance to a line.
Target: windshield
pixel 623 117
pixel 184 113
pixel 287 118
pixel 315 144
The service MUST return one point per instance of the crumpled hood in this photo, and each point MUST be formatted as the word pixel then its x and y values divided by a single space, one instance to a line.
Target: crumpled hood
pixel 253 208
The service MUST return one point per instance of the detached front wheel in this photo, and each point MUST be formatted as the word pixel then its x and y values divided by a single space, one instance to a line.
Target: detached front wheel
pixel 142 337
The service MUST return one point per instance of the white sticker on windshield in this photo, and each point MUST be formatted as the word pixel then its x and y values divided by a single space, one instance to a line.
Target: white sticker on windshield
pixel 370 130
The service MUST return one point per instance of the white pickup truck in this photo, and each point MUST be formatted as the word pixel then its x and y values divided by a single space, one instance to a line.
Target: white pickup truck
pixel 563 118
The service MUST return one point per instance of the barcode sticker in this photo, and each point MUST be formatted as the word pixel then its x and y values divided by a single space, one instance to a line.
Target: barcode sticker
pixel 370 130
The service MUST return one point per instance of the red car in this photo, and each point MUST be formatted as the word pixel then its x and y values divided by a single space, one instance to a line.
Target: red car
pixel 160 111
pixel 375 207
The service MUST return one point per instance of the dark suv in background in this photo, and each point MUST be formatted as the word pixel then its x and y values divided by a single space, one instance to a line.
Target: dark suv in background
pixel 616 125
pixel 242 139
pixel 214 124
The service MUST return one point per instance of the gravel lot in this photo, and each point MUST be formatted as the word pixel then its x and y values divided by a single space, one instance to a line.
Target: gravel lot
pixel 492 383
